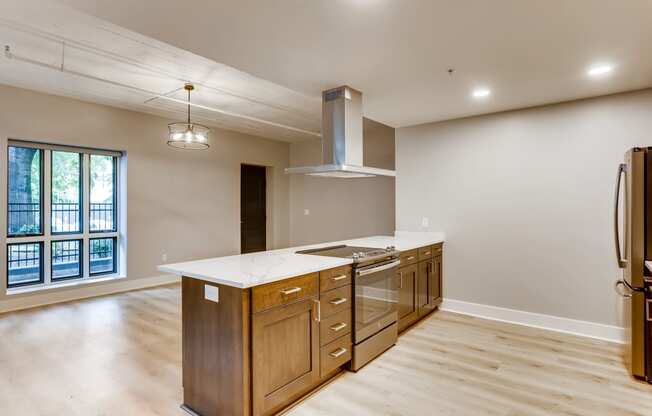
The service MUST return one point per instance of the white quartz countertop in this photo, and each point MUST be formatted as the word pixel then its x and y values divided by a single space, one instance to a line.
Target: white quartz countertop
pixel 254 269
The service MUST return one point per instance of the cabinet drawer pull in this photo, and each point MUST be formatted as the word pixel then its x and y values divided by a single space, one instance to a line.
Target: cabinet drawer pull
pixel 290 290
pixel 339 277
pixel 317 310
pixel 338 352
pixel 410 258
pixel 338 327
pixel 427 253
pixel 337 301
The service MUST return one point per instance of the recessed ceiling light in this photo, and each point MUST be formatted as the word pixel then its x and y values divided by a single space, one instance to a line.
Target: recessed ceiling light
pixel 600 70
pixel 482 92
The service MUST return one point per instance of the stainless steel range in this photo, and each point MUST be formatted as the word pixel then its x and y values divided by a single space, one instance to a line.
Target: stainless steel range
pixel 375 277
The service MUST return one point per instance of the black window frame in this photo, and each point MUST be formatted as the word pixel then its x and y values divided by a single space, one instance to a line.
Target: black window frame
pixel 41 280
pixel 114 199
pixel 114 268
pixel 81 193
pixel 41 193
pixel 81 261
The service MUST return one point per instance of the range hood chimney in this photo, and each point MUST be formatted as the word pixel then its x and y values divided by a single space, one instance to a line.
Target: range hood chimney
pixel 342 139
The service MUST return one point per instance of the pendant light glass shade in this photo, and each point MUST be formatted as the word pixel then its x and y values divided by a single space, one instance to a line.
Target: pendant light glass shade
pixel 188 135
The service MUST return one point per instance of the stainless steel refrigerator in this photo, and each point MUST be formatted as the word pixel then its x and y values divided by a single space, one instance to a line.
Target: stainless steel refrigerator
pixel 634 196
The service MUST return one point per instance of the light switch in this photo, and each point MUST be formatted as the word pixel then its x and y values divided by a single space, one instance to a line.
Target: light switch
pixel 212 293
pixel 425 222
pixel 306 212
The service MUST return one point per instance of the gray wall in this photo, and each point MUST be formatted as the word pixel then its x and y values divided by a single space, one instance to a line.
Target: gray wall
pixel 526 200
pixel 343 208
pixel 183 203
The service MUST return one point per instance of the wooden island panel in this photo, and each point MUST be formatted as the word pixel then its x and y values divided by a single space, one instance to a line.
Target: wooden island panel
pixel 216 350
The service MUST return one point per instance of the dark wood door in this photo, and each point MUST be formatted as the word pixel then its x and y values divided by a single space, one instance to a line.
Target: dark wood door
pixel 407 296
pixel 285 361
pixel 253 208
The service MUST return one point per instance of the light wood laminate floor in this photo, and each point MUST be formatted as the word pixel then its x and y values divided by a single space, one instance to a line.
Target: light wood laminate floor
pixel 121 355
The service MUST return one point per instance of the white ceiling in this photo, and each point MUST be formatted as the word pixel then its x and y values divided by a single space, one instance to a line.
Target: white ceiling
pixel 397 52
pixel 108 64
pixel 287 51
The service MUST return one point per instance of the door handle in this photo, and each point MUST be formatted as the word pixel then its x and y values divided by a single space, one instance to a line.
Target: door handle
pixel 622 169
pixel 400 275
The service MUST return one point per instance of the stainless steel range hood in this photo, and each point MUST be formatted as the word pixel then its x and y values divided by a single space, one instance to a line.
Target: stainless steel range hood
pixel 342 139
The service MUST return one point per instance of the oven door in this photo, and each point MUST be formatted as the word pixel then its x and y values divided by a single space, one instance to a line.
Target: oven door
pixel 376 298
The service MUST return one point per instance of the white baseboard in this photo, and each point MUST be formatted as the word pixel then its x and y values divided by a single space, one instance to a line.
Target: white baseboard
pixel 537 320
pixel 34 299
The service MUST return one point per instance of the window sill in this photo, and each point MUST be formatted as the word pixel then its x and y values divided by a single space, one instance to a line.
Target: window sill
pixel 84 282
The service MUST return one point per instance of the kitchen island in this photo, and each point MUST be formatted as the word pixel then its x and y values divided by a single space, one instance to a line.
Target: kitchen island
pixel 261 330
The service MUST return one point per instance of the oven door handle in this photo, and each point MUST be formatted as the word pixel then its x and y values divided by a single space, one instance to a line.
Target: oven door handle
pixel 378 268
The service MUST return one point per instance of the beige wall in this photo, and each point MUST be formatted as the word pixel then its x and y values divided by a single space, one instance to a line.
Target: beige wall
pixel 183 203
pixel 343 208
pixel 526 201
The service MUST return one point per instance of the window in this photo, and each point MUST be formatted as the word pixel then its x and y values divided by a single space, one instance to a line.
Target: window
pixel 66 192
pixel 66 259
pixel 62 214
pixel 25 264
pixel 102 193
pixel 25 193
pixel 102 256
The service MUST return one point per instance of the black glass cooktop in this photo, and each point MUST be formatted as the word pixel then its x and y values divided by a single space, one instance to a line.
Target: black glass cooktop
pixel 343 251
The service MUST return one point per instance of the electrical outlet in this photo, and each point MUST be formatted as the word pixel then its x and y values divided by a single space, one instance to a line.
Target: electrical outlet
pixel 425 222
pixel 306 212
pixel 212 293
pixel 164 257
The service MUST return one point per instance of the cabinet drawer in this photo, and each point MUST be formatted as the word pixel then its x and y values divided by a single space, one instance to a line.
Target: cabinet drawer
pixel 425 253
pixel 334 278
pixel 437 249
pixel 335 326
pixel 335 354
pixel 284 292
pixel 334 301
pixel 409 257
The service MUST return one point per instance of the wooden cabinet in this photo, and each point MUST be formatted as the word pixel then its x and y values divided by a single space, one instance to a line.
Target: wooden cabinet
pixel 407 296
pixel 420 287
pixel 300 336
pixel 437 289
pixel 424 283
pixel 285 355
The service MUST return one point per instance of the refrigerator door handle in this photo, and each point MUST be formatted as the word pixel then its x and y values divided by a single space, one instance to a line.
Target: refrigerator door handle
pixel 625 289
pixel 622 169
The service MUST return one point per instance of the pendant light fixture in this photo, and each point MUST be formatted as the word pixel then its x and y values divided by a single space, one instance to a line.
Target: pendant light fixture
pixel 188 135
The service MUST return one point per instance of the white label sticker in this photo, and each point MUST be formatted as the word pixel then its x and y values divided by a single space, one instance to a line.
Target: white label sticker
pixel 212 293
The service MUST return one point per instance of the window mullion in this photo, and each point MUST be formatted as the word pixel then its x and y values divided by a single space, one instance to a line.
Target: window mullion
pixel 47 216
pixel 86 208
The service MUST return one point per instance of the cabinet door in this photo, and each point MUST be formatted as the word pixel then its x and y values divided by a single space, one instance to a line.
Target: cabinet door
pixel 437 279
pixel 424 287
pixel 285 352
pixel 407 296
